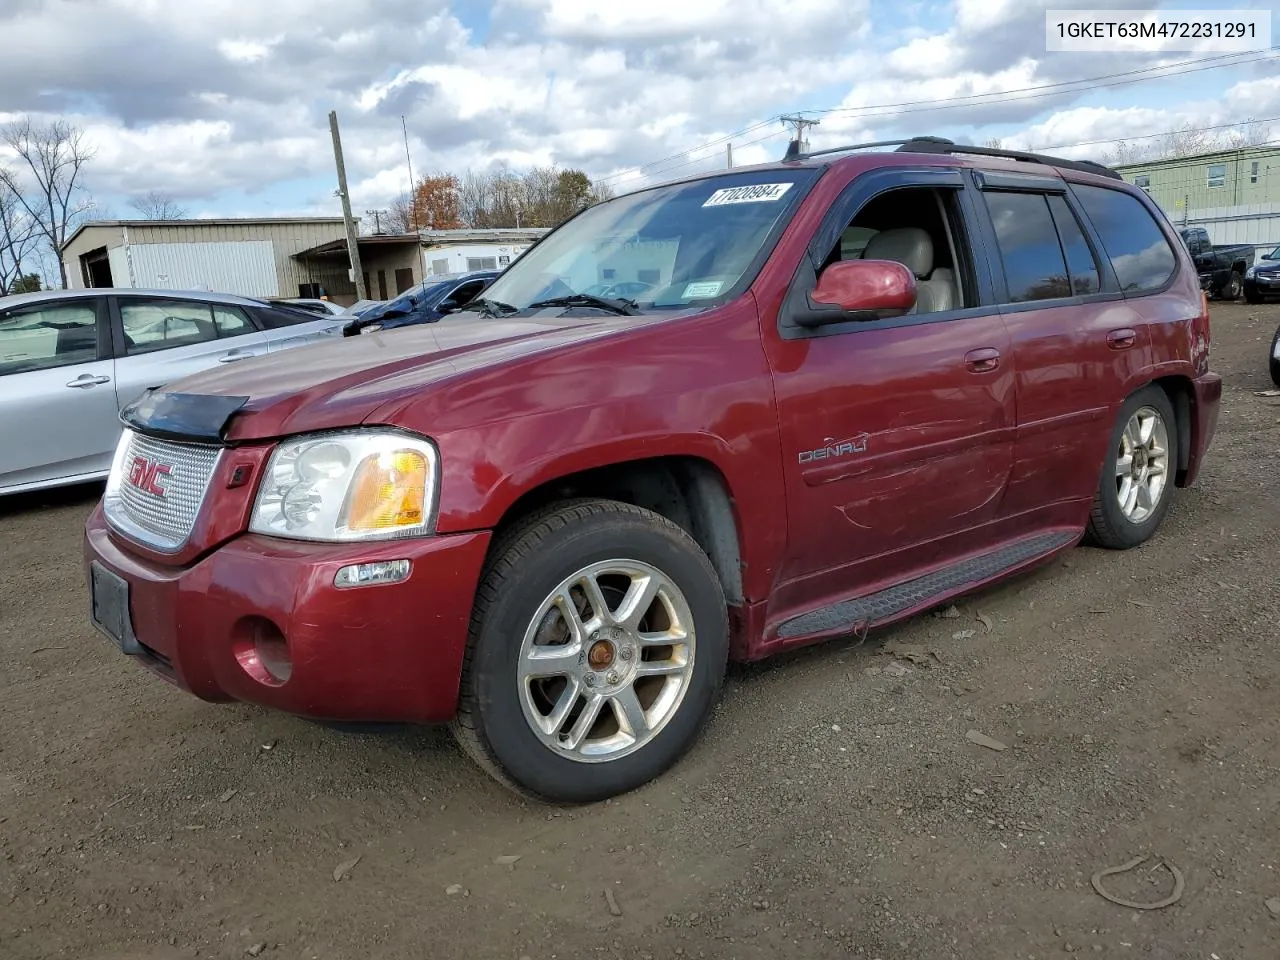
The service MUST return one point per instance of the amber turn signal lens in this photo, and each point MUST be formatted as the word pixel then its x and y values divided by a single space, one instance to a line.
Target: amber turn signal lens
pixel 389 492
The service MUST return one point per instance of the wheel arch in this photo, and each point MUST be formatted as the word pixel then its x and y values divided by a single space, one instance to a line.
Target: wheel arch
pixel 688 490
pixel 1181 395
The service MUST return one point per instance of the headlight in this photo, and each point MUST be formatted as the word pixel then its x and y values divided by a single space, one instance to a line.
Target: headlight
pixel 355 485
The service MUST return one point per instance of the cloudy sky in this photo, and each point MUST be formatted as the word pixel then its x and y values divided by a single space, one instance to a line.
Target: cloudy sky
pixel 223 104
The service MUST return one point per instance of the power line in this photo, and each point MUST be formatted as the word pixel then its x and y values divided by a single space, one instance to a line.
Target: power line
pixel 951 103
pixel 1167 133
pixel 1036 92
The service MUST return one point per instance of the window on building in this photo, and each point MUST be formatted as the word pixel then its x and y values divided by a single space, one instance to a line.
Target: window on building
pixel 440 267
pixel 1143 181
pixel 504 261
pixel 1138 249
pixel 1253 172
pixel 1217 175
pixel 482 263
pixel 653 277
pixel 1034 267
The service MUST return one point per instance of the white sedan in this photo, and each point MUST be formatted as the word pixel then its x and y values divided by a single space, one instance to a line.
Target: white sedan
pixel 71 359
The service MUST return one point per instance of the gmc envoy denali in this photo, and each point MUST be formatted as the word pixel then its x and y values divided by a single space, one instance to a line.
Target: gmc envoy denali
pixel 857 384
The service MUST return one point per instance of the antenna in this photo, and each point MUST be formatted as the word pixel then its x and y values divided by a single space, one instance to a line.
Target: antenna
pixel 413 201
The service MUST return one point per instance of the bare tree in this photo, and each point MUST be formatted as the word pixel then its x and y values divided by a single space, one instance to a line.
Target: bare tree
pixel 157 205
pixel 18 238
pixel 1188 141
pixel 54 156
pixel 400 215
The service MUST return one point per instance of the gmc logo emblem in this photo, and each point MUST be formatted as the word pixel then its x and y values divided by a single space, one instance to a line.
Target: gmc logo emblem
pixel 147 475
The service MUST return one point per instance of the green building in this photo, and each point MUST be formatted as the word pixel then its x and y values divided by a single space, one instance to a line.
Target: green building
pixel 1234 194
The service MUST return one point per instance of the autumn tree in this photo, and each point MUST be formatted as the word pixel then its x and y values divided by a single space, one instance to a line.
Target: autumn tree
pixel 436 203
pixel 46 185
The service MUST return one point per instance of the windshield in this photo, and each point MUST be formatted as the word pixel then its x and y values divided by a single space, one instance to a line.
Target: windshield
pixel 669 247
pixel 1273 255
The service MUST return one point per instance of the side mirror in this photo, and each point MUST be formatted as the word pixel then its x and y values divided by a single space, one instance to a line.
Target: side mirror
pixel 860 290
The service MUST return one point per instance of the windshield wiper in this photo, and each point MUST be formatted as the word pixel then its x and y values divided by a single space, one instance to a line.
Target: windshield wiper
pixel 625 308
pixel 490 308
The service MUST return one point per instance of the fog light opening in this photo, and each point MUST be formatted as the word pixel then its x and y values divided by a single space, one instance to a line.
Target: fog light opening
pixel 263 652
pixel 368 574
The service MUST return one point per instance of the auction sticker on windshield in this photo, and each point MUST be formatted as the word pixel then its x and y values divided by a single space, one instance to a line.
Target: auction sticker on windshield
pixel 755 193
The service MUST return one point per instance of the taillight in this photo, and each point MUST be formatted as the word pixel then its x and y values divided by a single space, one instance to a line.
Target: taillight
pixel 1201 334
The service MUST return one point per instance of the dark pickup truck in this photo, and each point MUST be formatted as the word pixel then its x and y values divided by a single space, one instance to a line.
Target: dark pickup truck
pixel 1221 267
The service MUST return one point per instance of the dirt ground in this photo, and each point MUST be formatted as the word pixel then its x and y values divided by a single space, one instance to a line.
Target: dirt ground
pixel 834 807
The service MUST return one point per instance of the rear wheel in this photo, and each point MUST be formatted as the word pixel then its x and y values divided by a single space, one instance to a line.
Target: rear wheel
pixel 1275 358
pixel 598 646
pixel 1231 289
pixel 1136 486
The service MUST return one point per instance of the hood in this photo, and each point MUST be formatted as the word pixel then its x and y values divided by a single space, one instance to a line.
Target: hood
pixel 340 383
pixel 1266 266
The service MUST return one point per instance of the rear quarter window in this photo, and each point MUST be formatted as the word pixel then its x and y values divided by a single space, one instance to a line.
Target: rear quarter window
pixel 271 318
pixel 1135 244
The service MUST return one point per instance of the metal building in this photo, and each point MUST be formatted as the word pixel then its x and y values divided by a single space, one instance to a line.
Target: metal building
pixel 1234 194
pixel 250 257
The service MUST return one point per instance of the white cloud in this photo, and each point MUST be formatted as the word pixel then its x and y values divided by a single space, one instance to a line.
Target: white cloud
pixel 218 99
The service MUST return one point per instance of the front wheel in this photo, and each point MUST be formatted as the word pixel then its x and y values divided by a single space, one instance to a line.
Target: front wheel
pixel 598 646
pixel 1136 486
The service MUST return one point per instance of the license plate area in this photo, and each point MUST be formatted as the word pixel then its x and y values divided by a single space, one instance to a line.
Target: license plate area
pixel 110 596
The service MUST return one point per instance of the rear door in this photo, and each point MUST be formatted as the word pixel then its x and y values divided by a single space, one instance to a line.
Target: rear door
pixel 57 401
pixel 1076 341
pixel 160 340
pixel 286 328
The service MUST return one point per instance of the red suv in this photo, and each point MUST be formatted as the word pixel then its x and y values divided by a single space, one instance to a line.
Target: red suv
pixel 856 385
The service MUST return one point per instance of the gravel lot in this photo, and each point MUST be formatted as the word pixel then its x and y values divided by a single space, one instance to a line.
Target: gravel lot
pixel 834 808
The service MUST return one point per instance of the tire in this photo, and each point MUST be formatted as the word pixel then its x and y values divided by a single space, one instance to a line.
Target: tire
pixel 1251 297
pixel 1274 361
pixel 1111 524
pixel 559 551
pixel 1232 288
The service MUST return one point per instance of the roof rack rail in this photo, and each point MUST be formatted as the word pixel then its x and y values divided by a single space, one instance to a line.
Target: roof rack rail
pixel 794 152
pixel 941 145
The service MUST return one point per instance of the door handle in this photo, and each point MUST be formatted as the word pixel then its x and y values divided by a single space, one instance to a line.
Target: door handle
pixel 233 356
pixel 1122 339
pixel 982 361
pixel 87 380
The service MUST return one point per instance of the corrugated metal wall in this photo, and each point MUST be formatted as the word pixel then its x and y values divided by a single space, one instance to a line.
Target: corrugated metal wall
pixel 284 237
pixel 246 267
pixel 1254 223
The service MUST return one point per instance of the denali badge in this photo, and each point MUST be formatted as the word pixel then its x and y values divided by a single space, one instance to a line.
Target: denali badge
pixel 146 475
pixel 836 448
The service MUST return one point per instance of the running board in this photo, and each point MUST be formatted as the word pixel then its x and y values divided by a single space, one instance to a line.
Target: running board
pixel 853 615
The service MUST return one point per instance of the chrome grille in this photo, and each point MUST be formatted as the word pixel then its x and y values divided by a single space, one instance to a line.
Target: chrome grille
pixel 163 521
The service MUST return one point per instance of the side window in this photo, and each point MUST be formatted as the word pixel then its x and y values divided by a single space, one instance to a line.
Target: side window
pixel 231 321
pixel 1034 267
pixel 921 228
pixel 48 335
pixel 464 293
pixel 272 318
pixel 151 325
pixel 1137 247
pixel 1081 264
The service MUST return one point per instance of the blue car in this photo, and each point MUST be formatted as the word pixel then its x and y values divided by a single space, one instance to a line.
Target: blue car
pixel 425 303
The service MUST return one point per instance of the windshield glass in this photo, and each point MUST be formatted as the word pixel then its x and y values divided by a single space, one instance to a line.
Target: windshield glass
pixel 668 247
pixel 1273 255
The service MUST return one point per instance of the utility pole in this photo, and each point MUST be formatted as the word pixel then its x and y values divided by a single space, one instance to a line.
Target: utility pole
pixel 798 144
pixel 413 201
pixel 728 150
pixel 353 247
pixel 377 219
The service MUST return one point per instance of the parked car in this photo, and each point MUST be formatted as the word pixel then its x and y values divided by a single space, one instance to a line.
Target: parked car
pixel 425 303
pixel 553 518
pixel 1221 267
pixel 312 305
pixel 1262 280
pixel 71 359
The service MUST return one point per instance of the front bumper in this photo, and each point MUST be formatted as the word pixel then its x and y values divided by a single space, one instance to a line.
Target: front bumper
pixel 1204 422
pixel 1254 287
pixel 386 652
